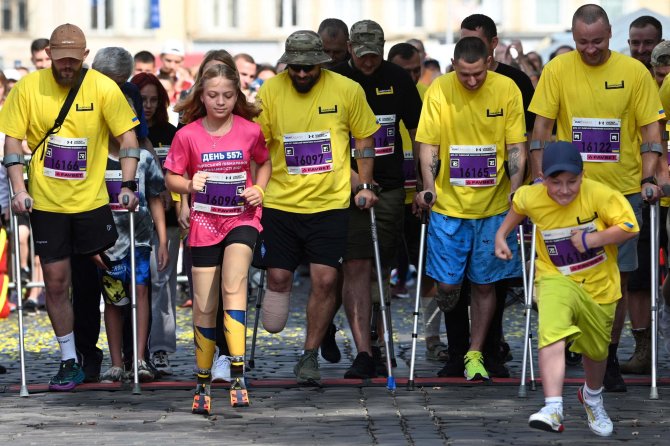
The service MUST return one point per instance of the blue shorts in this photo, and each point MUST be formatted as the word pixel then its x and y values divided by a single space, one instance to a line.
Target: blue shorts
pixel 627 256
pixel 116 281
pixel 455 244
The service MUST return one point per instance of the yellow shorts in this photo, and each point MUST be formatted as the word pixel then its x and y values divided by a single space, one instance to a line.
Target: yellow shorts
pixel 567 312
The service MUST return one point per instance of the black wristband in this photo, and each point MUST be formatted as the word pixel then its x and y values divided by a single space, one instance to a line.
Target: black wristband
pixel 371 187
pixel 132 185
pixel 651 180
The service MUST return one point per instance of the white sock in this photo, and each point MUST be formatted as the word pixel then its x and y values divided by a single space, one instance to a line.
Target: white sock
pixel 67 348
pixel 592 397
pixel 555 402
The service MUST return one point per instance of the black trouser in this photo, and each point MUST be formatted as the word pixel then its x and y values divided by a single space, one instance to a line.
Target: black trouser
pixel 86 305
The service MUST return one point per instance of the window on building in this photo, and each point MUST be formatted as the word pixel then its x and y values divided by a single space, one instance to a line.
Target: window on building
pixel 547 12
pixel 14 15
pixel 614 8
pixel 418 13
pixel 102 14
pixel 139 17
pixel 225 13
pixel 287 13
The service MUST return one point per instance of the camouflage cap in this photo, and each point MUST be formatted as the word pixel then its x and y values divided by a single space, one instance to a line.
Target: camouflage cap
pixel 367 37
pixel 304 48
pixel 660 56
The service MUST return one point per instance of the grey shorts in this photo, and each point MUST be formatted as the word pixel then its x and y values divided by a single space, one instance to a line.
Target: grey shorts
pixel 627 258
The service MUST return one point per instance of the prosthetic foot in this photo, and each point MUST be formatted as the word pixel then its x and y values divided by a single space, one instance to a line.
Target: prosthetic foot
pixel 238 389
pixel 201 399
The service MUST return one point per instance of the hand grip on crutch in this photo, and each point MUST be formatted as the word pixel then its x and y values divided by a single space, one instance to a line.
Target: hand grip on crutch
pixel 653 217
pixel 528 281
pixel 17 286
pixel 390 380
pixel 133 297
pixel 428 197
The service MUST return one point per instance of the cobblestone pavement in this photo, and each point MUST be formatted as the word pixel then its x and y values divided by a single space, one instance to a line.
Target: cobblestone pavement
pixel 438 411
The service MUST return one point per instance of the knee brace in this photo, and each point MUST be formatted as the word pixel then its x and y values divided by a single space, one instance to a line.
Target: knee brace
pixel 274 311
pixel 447 300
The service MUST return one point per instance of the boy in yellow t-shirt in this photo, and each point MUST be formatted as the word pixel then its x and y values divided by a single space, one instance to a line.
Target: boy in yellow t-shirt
pixel 579 224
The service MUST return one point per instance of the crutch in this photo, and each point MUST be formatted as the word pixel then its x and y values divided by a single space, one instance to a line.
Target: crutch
pixel 133 297
pixel 390 380
pixel 528 279
pixel 428 197
pixel 653 217
pixel 17 288
pixel 259 301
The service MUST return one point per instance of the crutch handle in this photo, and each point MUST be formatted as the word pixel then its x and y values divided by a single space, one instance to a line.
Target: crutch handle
pixel 125 199
pixel 649 192
pixel 428 197
pixel 361 201
pixel 27 203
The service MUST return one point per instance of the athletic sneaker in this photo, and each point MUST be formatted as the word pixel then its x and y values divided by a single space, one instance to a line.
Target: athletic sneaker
pixel 69 375
pixel 474 366
pixel 453 367
pixel 363 367
pixel 599 422
pixel 161 363
pixel 329 349
pixel 201 400
pixel 112 375
pixel 144 373
pixel 549 419
pixel 221 369
pixel 307 369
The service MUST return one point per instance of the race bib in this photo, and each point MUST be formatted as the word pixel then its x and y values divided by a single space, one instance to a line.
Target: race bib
pixel 598 140
pixel 113 180
pixel 474 166
pixel 565 256
pixel 308 153
pixel 65 158
pixel 409 170
pixel 221 195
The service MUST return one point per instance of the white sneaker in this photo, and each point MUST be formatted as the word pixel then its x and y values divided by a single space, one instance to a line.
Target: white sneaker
pixel 221 369
pixel 161 362
pixel 599 422
pixel 549 419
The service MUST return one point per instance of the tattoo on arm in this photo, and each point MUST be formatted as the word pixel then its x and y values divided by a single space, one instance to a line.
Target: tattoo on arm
pixel 434 165
pixel 513 160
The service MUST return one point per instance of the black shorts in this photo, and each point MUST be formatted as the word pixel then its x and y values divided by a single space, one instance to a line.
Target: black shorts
pixel 289 238
pixel 58 236
pixel 207 256
pixel 640 279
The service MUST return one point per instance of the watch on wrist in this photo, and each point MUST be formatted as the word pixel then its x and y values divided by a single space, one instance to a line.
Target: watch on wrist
pixel 132 185
pixel 362 186
pixel 651 180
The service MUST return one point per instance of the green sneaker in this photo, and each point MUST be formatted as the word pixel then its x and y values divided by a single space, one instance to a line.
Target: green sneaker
pixel 474 366
pixel 69 375
pixel 307 368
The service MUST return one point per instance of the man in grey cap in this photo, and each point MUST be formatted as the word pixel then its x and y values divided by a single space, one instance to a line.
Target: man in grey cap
pixel 308 115
pixel 393 97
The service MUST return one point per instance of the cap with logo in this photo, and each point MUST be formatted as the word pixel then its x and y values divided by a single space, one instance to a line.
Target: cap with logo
pixel 561 156
pixel 304 48
pixel 67 41
pixel 367 37
pixel 660 56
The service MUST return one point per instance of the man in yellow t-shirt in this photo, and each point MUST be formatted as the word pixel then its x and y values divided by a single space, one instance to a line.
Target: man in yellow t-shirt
pixel 579 223
pixel 308 115
pixel 607 104
pixel 471 121
pixel 68 200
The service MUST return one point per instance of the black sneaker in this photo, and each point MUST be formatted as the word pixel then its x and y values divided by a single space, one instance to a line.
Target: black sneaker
pixel 69 375
pixel 379 361
pixel 91 364
pixel 496 368
pixel 454 367
pixel 329 349
pixel 29 306
pixel 362 368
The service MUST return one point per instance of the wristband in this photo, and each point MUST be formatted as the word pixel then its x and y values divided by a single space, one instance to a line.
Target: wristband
pixel 362 186
pixel 260 189
pixel 19 192
pixel 538 180
pixel 651 180
pixel 586 247
pixel 133 152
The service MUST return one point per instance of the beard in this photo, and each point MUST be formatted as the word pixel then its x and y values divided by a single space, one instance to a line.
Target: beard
pixel 66 77
pixel 305 84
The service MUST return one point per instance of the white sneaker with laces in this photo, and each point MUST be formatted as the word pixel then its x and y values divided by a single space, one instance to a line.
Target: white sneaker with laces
pixel 549 419
pixel 599 422
pixel 221 369
pixel 161 362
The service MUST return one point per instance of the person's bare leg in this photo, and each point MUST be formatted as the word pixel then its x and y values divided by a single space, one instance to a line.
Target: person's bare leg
pixel 59 307
pixel 357 301
pixel 321 303
pixel 552 368
pixel 483 306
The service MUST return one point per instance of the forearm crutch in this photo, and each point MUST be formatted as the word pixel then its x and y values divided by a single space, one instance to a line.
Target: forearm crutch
pixel 259 301
pixel 428 197
pixel 17 287
pixel 528 282
pixel 390 380
pixel 653 217
pixel 133 297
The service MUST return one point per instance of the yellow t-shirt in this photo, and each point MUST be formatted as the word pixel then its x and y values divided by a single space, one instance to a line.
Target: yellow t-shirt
pixel 308 139
pixel 409 168
pixel 596 207
pixel 601 109
pixel 79 150
pixel 472 129
pixel 664 93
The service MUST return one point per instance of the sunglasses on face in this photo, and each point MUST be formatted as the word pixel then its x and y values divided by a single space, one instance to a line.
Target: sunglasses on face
pixel 299 68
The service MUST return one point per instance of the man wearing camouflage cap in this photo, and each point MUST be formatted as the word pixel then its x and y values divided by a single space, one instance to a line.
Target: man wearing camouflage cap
pixel 393 97
pixel 308 115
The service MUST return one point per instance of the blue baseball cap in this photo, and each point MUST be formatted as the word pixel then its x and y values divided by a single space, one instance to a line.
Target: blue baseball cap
pixel 561 156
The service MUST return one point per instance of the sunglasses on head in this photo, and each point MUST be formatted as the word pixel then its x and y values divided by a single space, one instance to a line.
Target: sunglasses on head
pixel 299 68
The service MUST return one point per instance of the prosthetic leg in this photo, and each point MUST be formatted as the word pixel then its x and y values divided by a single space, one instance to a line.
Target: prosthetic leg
pixel 528 283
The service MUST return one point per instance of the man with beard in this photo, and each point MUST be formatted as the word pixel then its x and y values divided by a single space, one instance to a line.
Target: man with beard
pixel 644 34
pixel 68 200
pixel 308 115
